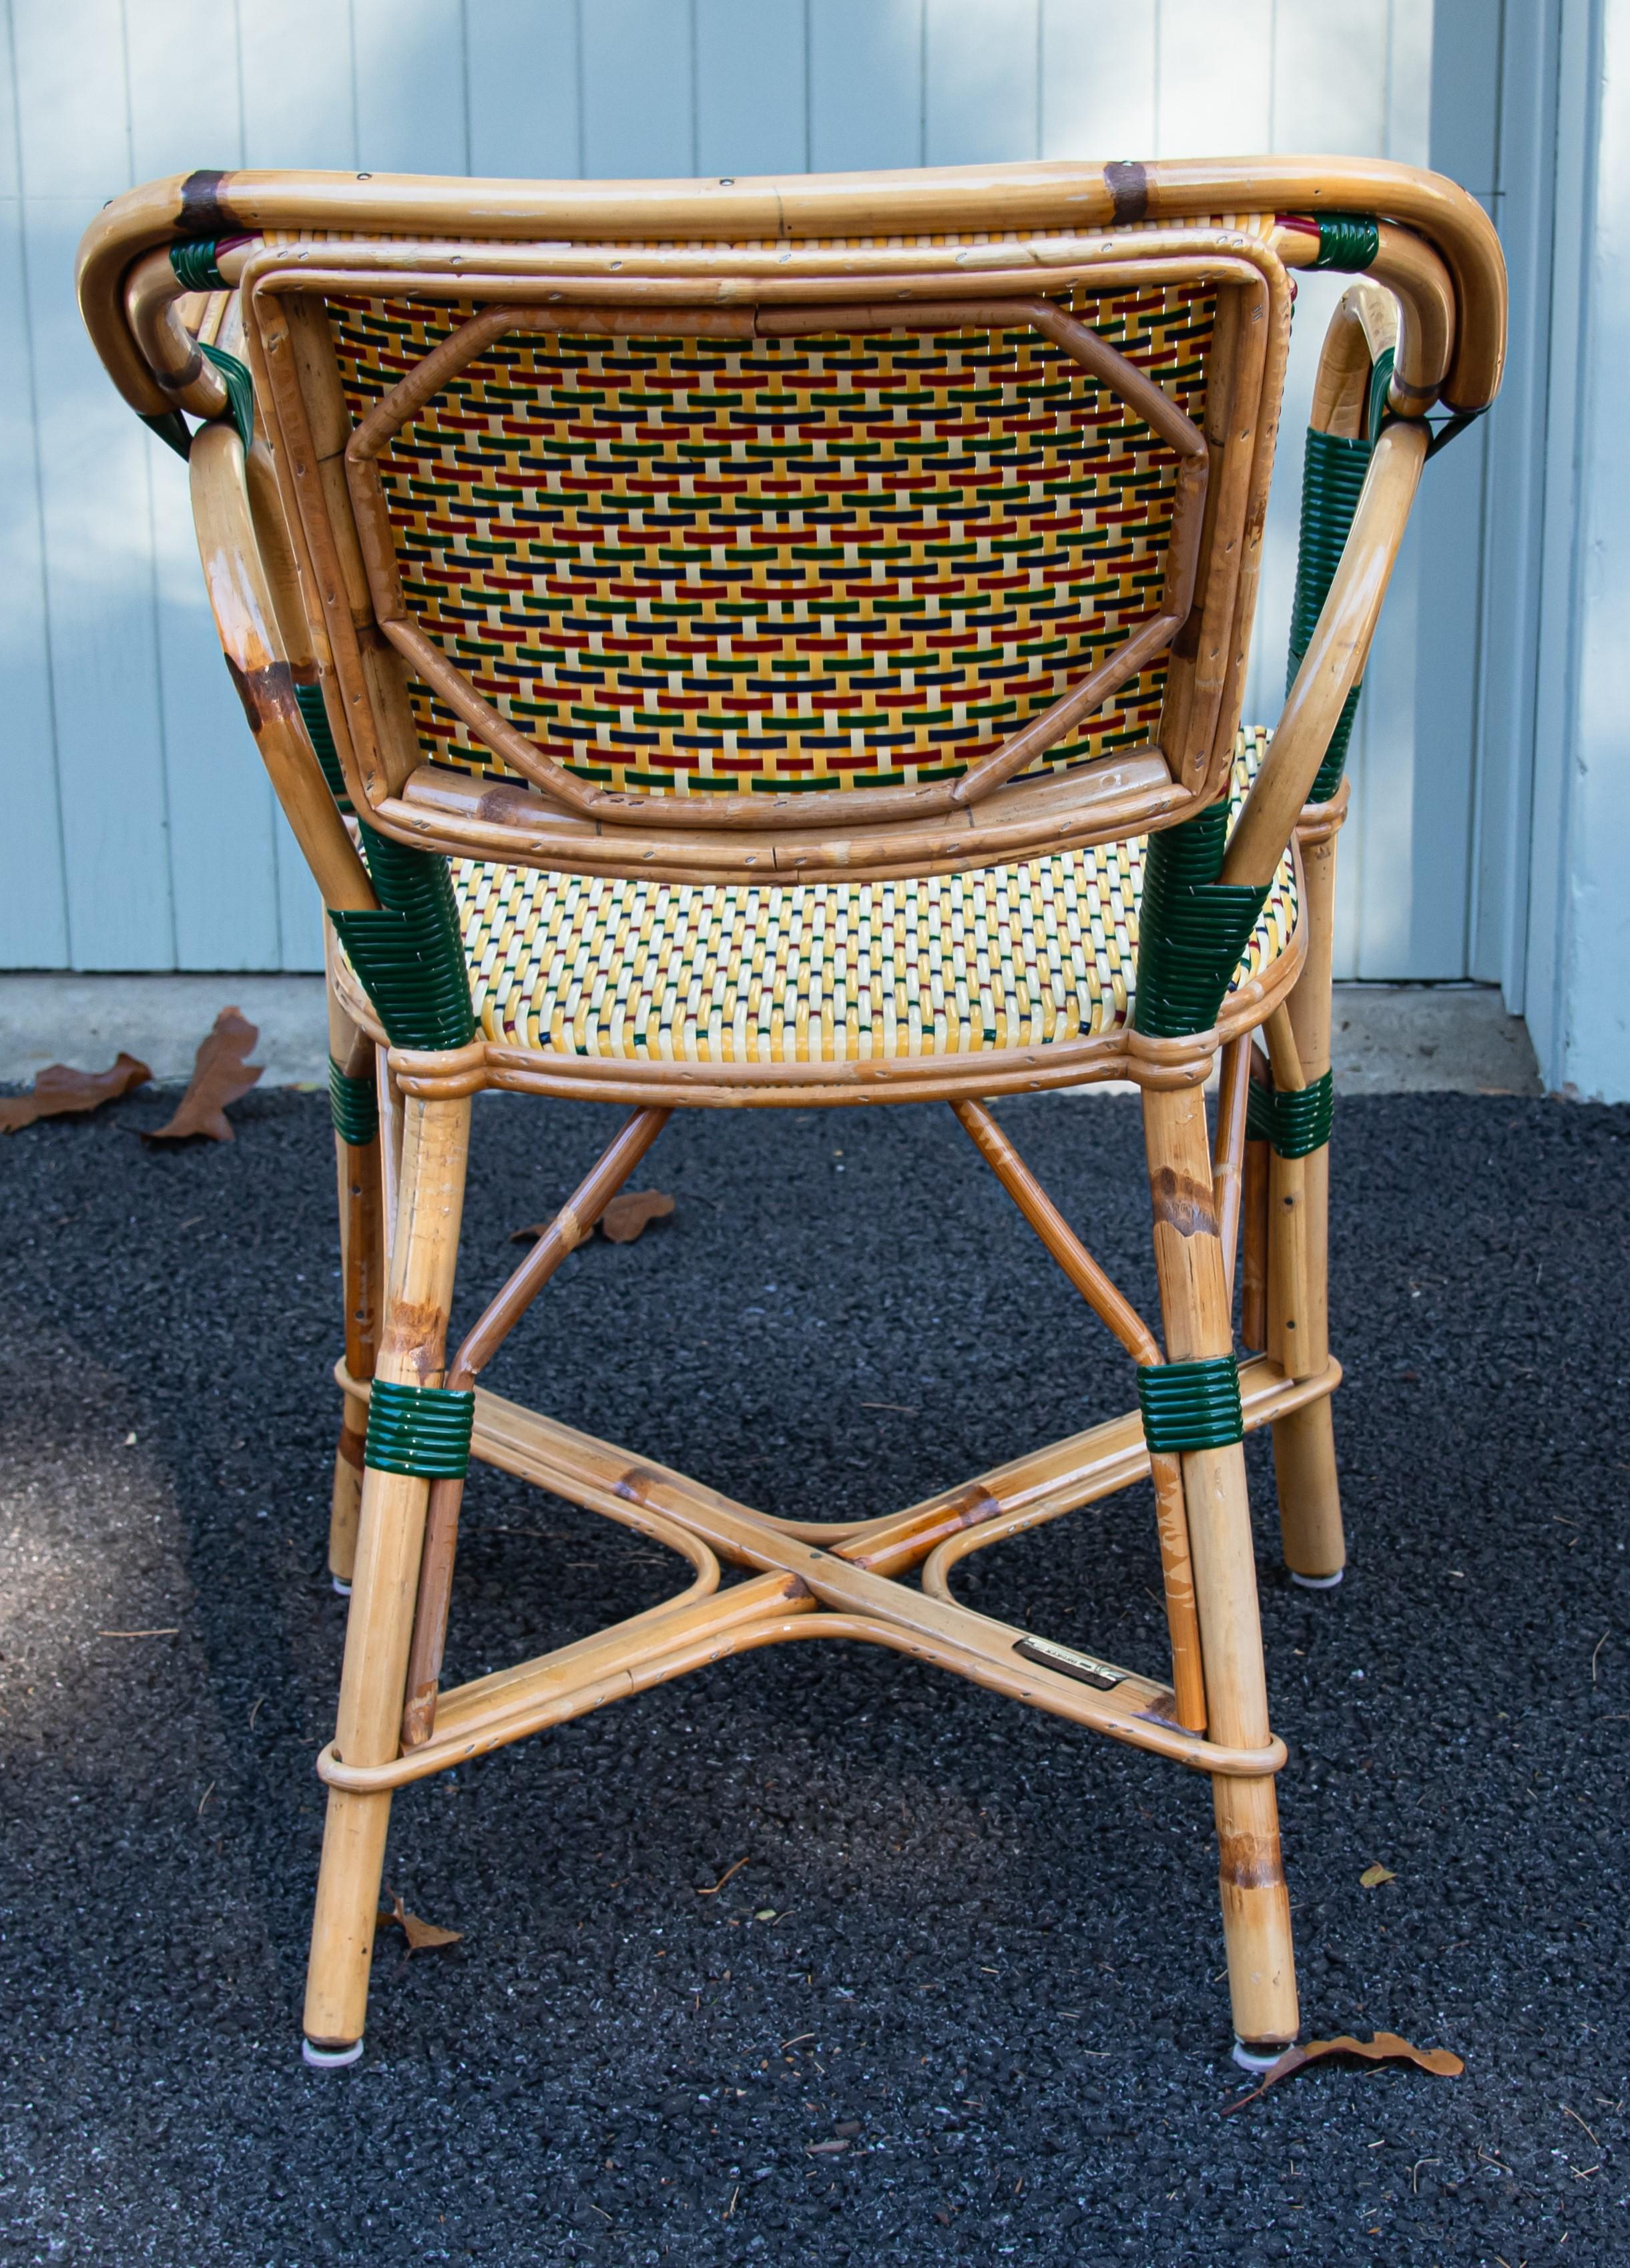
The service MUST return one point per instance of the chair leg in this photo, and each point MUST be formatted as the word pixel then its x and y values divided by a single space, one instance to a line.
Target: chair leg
pixel 362 1268
pixel 362 1257
pixel 412 1352
pixel 1194 1306
pixel 1304 1443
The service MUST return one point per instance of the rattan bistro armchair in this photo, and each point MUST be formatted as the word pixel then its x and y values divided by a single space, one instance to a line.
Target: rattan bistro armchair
pixel 761 642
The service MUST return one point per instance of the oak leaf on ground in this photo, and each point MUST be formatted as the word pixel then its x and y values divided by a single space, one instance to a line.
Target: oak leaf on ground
pixel 628 1215
pixel 1386 2047
pixel 221 1075
pixel 632 1213
pixel 59 1090
pixel 422 1936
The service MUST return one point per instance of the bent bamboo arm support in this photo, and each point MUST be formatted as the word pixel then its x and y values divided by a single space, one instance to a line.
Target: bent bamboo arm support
pixel 246 623
pixel 1334 660
pixel 1415 281
pixel 152 297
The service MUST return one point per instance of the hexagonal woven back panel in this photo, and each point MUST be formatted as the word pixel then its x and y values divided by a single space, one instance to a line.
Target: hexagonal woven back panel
pixel 806 564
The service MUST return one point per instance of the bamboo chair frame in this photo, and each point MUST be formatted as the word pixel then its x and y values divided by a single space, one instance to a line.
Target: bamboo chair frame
pixel 180 280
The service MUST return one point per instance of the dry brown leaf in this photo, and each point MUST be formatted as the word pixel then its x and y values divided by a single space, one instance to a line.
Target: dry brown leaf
pixel 625 1218
pixel 1373 1877
pixel 422 1936
pixel 220 1075
pixel 619 1223
pixel 631 1214
pixel 1386 2047
pixel 59 1090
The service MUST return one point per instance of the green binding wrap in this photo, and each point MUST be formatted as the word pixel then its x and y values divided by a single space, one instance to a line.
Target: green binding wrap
pixel 1190 1405
pixel 1294 1121
pixel 171 429
pixel 1333 474
pixel 421 1430
pixel 1192 928
pixel 239 391
pixel 195 266
pixel 321 737
pixel 409 953
pixel 1347 241
pixel 355 1106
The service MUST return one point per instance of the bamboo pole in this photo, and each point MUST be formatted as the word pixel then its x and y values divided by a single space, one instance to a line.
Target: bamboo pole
pixel 411 1352
pixel 1188 1253
pixel 1289 1292
pixel 392 1105
pixel 362 1278
pixel 1254 1252
pixel 1114 1309
pixel 1304 1445
pixel 1334 661
pixel 247 624
pixel 1229 1147
pixel 570 1225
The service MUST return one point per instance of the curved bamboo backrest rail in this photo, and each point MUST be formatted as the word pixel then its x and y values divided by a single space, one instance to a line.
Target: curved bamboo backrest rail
pixel 1057 194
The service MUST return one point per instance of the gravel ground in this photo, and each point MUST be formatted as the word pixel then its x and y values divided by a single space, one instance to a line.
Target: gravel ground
pixel 963 2000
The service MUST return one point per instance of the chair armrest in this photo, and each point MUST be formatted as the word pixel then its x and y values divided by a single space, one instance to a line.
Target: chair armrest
pixel 1334 659
pixel 247 625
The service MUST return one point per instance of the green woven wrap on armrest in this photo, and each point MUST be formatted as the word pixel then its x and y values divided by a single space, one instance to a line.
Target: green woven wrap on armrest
pixel 194 265
pixel 1193 929
pixel 320 735
pixel 239 391
pixel 1333 475
pixel 1349 241
pixel 409 954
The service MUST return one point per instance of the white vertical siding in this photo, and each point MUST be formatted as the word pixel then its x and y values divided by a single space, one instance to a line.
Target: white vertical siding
pixel 142 834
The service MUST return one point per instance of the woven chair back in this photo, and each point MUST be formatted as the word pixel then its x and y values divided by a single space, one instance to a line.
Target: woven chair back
pixel 689 565
pixel 685 541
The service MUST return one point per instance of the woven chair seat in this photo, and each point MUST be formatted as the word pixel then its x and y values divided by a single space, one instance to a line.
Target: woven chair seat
pixel 831 972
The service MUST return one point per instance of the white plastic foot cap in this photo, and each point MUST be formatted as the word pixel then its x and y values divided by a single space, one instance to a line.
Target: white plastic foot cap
pixel 1256 2058
pixel 343 1589
pixel 330 2058
pixel 1307 1582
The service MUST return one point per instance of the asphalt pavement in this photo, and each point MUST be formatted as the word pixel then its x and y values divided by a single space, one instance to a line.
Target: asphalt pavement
pixel 963 1998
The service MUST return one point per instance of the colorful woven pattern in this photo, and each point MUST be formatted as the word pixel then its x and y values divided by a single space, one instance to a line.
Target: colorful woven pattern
pixel 841 972
pixel 801 564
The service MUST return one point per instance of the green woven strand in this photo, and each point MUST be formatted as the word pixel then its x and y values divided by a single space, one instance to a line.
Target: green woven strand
pixel 421 1430
pixel 1190 1405
pixel 1380 386
pixel 1193 929
pixel 171 429
pixel 1347 241
pixel 1296 1121
pixel 239 391
pixel 321 737
pixel 410 953
pixel 1333 475
pixel 355 1106
pixel 195 266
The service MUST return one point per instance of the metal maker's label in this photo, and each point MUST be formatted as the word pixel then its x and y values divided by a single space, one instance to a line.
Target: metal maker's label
pixel 1086 1667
